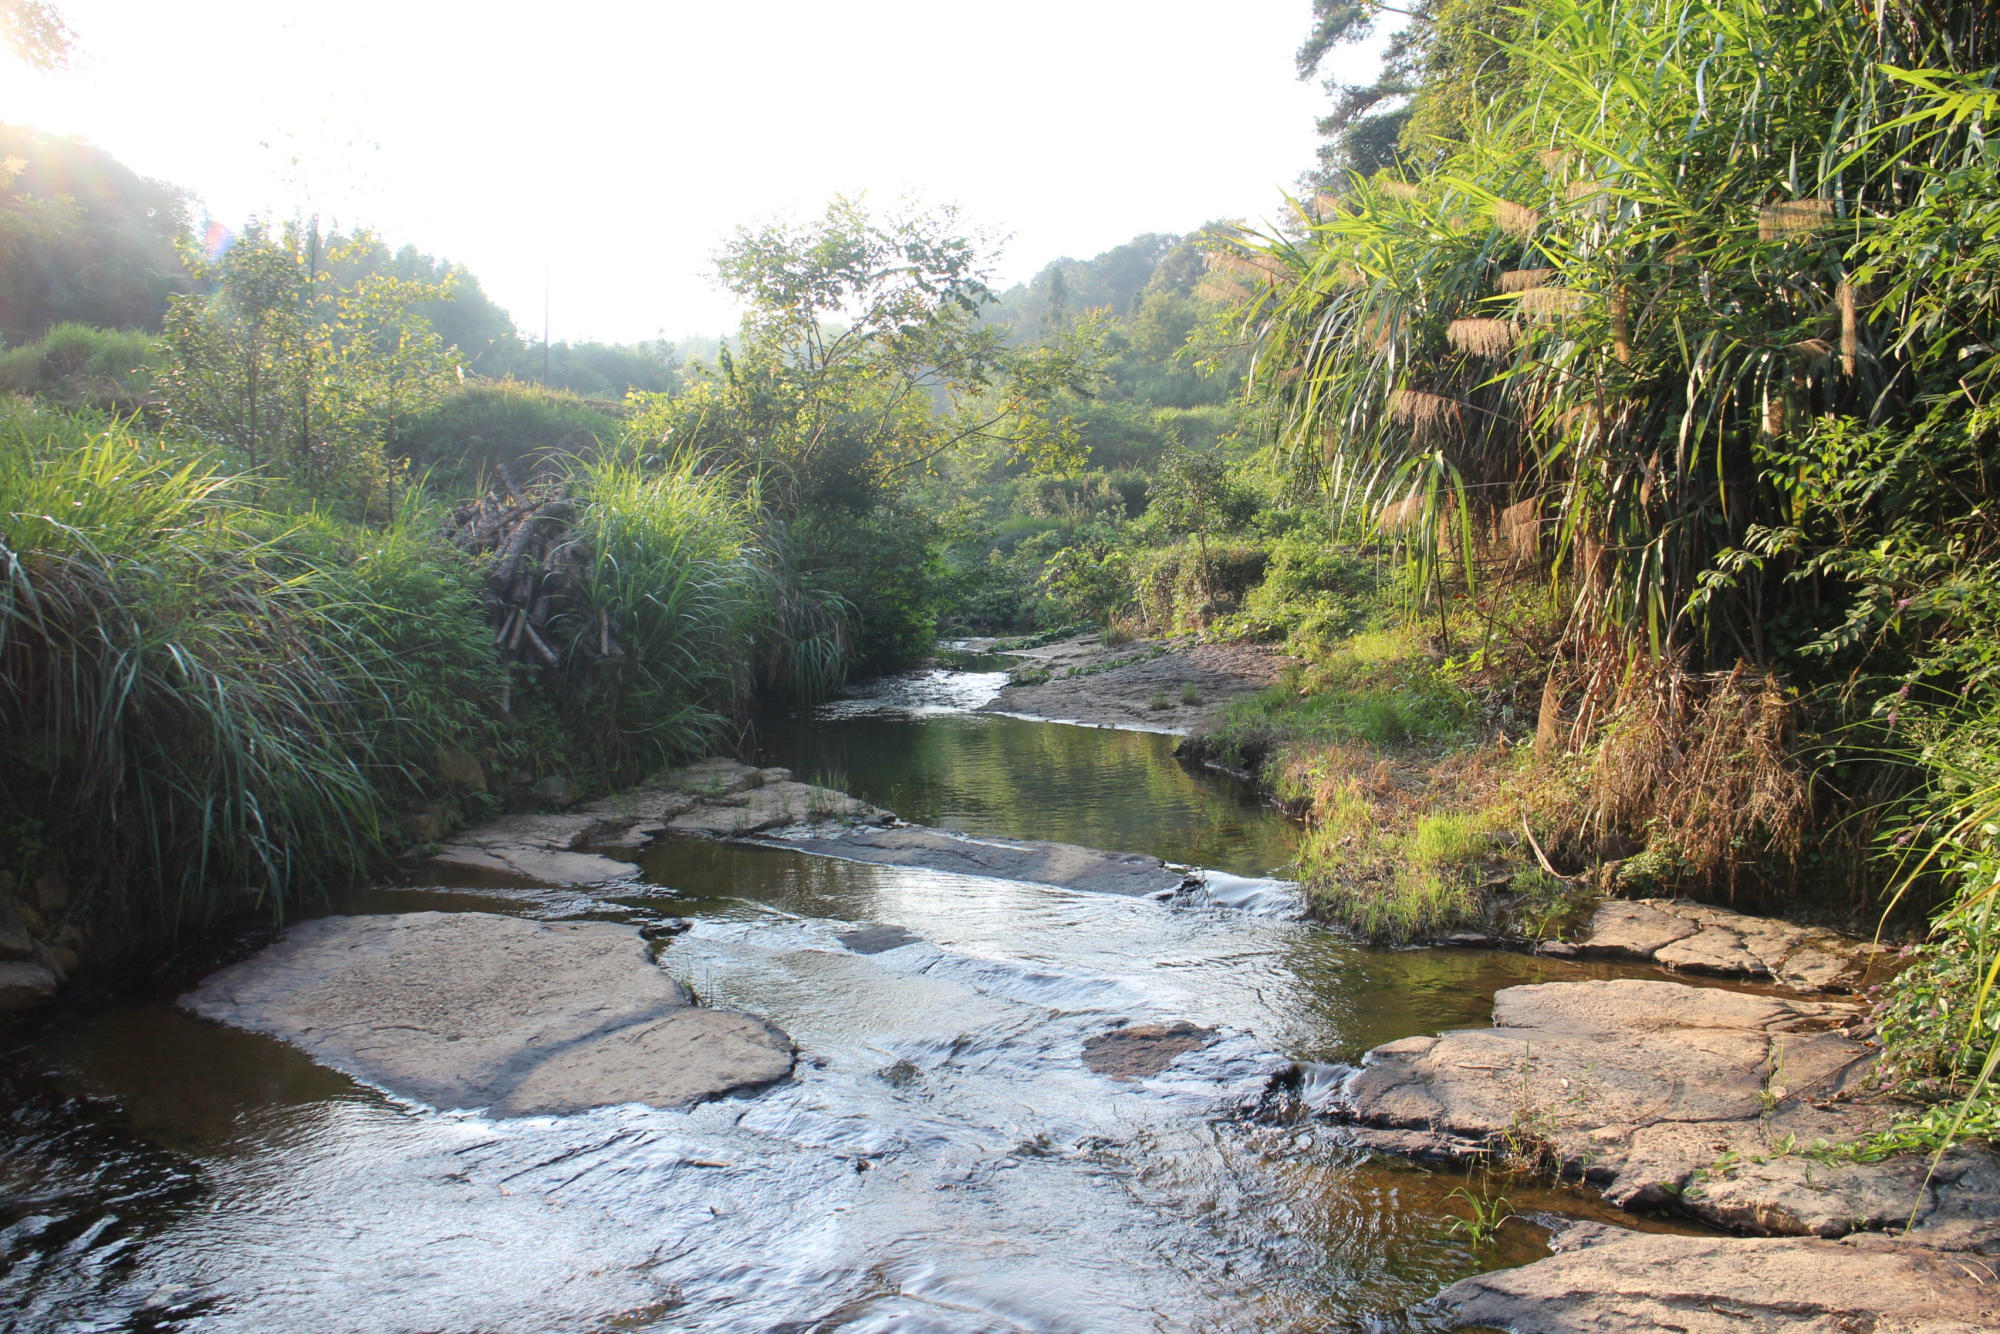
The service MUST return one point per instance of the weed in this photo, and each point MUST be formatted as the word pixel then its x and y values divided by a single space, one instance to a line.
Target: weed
pixel 1487 1214
pixel 1160 700
pixel 1190 694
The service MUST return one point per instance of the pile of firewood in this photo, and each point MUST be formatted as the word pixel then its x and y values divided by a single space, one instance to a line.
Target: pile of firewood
pixel 534 593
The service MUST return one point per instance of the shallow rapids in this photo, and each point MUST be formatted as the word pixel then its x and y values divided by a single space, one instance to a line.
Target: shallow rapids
pixel 944 1160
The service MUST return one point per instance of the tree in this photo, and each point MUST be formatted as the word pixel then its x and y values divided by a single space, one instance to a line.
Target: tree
pixel 36 32
pixel 83 238
pixel 863 361
pixel 299 372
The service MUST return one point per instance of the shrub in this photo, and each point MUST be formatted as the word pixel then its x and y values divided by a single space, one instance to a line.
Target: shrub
pixel 80 365
pixel 524 428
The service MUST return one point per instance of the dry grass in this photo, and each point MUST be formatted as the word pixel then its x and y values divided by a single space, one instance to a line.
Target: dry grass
pixel 1422 412
pixel 1516 219
pixel 1701 765
pixel 1522 280
pixel 1481 337
pixel 1548 303
pixel 1793 218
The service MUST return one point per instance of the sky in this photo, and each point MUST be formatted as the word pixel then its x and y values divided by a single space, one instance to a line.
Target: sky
pixel 614 145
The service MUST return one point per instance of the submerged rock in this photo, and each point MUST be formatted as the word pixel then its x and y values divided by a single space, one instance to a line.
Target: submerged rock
pixel 1697 938
pixel 1606 1279
pixel 480 1010
pixel 1720 1102
pixel 1140 1051
pixel 1063 865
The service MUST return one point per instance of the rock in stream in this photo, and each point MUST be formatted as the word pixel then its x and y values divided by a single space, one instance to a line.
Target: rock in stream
pixel 477 1010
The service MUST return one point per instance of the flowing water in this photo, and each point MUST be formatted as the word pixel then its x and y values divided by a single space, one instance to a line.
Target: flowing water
pixel 943 1161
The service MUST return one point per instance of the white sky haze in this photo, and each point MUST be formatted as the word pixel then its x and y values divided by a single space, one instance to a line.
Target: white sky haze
pixel 620 143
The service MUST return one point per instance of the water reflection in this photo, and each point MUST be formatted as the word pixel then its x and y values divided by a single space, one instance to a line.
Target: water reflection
pixel 987 774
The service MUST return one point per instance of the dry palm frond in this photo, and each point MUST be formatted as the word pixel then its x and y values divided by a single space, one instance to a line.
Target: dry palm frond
pixel 1481 337
pixel 1813 352
pixel 1258 268
pixel 1793 217
pixel 1621 328
pixel 1581 190
pixel 1547 303
pixel 1774 414
pixel 1556 160
pixel 1325 204
pixel 1397 189
pixel 1521 280
pixel 1516 219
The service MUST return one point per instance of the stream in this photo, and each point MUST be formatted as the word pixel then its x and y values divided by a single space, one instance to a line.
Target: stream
pixel 942 1161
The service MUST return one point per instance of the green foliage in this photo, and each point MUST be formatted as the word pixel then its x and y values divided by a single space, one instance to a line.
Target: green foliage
pixel 79 365
pixel 673 569
pixel 480 427
pixel 289 367
pixel 171 714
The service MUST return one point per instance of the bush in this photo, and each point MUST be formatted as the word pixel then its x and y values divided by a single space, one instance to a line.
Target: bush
pixel 79 365
pixel 524 428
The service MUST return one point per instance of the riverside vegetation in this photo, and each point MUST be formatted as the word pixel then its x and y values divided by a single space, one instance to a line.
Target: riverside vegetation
pixel 1606 434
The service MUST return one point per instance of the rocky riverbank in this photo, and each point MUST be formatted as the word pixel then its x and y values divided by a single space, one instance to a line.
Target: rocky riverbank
pixel 1740 1110
pixel 1158 685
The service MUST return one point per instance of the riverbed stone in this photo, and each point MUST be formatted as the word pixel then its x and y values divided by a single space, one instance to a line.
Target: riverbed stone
pixel 1060 864
pixel 1700 938
pixel 25 986
pixel 1606 1279
pixel 478 1010
pixel 1140 1051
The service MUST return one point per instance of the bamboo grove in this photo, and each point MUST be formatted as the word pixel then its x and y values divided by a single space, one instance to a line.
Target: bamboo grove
pixel 1700 313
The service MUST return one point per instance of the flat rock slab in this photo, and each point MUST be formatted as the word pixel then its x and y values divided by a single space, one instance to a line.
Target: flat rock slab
pixel 715 798
pixel 1660 1093
pixel 1606 1279
pixel 480 1010
pixel 1063 865
pixel 1140 1051
pixel 1698 938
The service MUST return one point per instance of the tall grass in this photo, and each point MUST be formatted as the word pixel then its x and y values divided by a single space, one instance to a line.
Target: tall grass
pixel 675 574
pixel 169 711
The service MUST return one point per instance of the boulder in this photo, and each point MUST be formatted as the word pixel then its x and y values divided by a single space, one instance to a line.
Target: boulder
pixel 478 1010
pixel 25 986
pixel 1060 864
pixel 771 805
pixel 1607 1279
